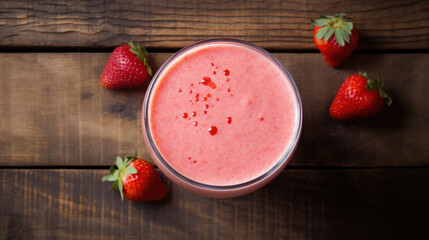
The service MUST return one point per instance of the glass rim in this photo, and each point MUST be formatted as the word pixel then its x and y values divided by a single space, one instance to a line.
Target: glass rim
pixel 283 159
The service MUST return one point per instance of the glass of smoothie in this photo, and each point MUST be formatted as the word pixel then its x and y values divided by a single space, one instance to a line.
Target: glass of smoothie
pixel 222 117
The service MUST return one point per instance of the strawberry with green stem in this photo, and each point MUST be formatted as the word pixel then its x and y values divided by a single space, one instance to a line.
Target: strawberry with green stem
pixel 136 180
pixel 127 67
pixel 336 37
pixel 359 97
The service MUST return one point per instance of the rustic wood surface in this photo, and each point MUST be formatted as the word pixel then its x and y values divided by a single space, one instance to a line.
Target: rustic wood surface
pixel 59 129
pixel 56 113
pixel 383 25
pixel 299 204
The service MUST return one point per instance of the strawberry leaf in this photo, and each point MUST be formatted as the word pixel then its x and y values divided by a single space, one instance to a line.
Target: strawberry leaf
pixel 319 22
pixel 379 80
pixel 120 186
pixel 327 16
pixel 321 33
pixel 119 162
pixel 114 185
pixel 132 45
pixel 388 100
pixel 348 25
pixel 372 85
pixel 382 93
pixel 339 37
pixel 133 51
pixel 112 169
pixel 363 74
pixel 328 34
pixel 149 70
pixel 141 58
pixel 128 160
pixel 131 170
pixel 346 37
pixel 109 178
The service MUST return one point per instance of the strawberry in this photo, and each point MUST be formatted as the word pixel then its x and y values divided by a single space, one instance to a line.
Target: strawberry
pixel 136 179
pixel 359 97
pixel 335 37
pixel 127 67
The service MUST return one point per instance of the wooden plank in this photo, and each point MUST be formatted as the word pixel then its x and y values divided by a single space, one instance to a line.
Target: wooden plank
pixel 299 204
pixel 391 25
pixel 57 108
pixel 398 136
pixel 54 112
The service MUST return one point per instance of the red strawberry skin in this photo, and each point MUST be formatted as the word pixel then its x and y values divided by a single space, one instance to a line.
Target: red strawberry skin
pixel 145 185
pixel 123 70
pixel 354 100
pixel 333 53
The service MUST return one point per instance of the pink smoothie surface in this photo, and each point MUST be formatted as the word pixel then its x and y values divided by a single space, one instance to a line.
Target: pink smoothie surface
pixel 222 114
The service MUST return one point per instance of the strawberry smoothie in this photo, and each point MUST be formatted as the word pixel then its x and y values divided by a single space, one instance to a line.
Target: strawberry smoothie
pixel 222 113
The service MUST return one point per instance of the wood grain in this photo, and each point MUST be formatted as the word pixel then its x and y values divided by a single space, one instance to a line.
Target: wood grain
pixel 383 25
pixel 299 204
pixel 54 112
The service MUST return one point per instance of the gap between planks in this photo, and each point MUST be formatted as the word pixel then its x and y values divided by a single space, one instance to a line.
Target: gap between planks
pixel 72 49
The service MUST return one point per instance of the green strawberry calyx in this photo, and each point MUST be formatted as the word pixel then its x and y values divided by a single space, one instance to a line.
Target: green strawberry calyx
pixel 141 53
pixel 338 25
pixel 116 175
pixel 373 85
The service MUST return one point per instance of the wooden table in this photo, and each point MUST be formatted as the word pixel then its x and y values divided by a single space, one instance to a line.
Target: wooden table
pixel 60 130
